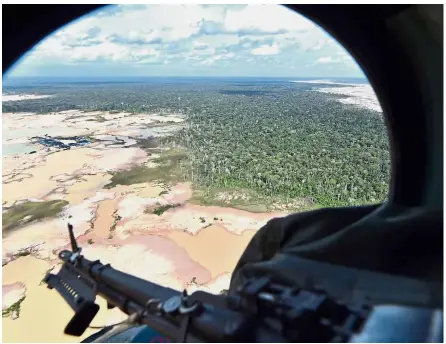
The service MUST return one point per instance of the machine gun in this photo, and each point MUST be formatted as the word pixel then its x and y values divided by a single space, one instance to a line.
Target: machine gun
pixel 259 311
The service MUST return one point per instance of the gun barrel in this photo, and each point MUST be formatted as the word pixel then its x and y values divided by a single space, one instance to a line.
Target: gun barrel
pixel 137 289
pixel 131 294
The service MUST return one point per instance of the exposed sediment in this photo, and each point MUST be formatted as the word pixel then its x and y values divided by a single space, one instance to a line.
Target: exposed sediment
pixel 184 246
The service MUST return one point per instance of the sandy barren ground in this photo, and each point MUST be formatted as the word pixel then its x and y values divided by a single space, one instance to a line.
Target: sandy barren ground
pixel 358 95
pixel 16 97
pixel 361 95
pixel 188 246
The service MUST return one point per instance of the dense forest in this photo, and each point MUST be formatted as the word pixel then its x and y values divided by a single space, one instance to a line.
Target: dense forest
pixel 276 138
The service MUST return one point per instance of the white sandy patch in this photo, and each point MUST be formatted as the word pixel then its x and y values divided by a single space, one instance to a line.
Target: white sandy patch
pixel 325 82
pixel 17 97
pixel 20 126
pixel 360 95
pixel 80 215
pixel 119 141
pixel 113 116
pixel 71 112
pixel 148 190
pixel 143 190
pixel 126 121
pixel 142 223
pixel 119 124
pixel 101 196
pixel 110 139
pixel 190 218
pixel 190 222
pixel 118 158
pixel 170 219
pixel 169 118
pixel 93 113
pixel 42 237
pixel 12 293
pixel 132 206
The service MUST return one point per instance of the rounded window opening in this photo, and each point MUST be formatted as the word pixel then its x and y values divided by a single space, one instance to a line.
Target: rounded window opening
pixel 195 122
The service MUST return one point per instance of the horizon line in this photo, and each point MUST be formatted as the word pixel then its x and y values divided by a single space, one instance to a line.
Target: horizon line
pixel 179 76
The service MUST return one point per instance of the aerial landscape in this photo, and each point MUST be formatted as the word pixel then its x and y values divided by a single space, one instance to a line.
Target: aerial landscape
pixel 184 181
pixel 168 178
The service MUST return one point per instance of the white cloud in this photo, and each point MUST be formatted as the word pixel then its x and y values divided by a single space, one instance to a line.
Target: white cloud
pixel 266 50
pixel 327 59
pixel 266 18
pixel 338 57
pixel 212 59
pixel 199 45
pixel 233 38
pixel 319 45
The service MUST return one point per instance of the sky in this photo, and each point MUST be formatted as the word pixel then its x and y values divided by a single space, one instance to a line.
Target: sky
pixel 189 40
